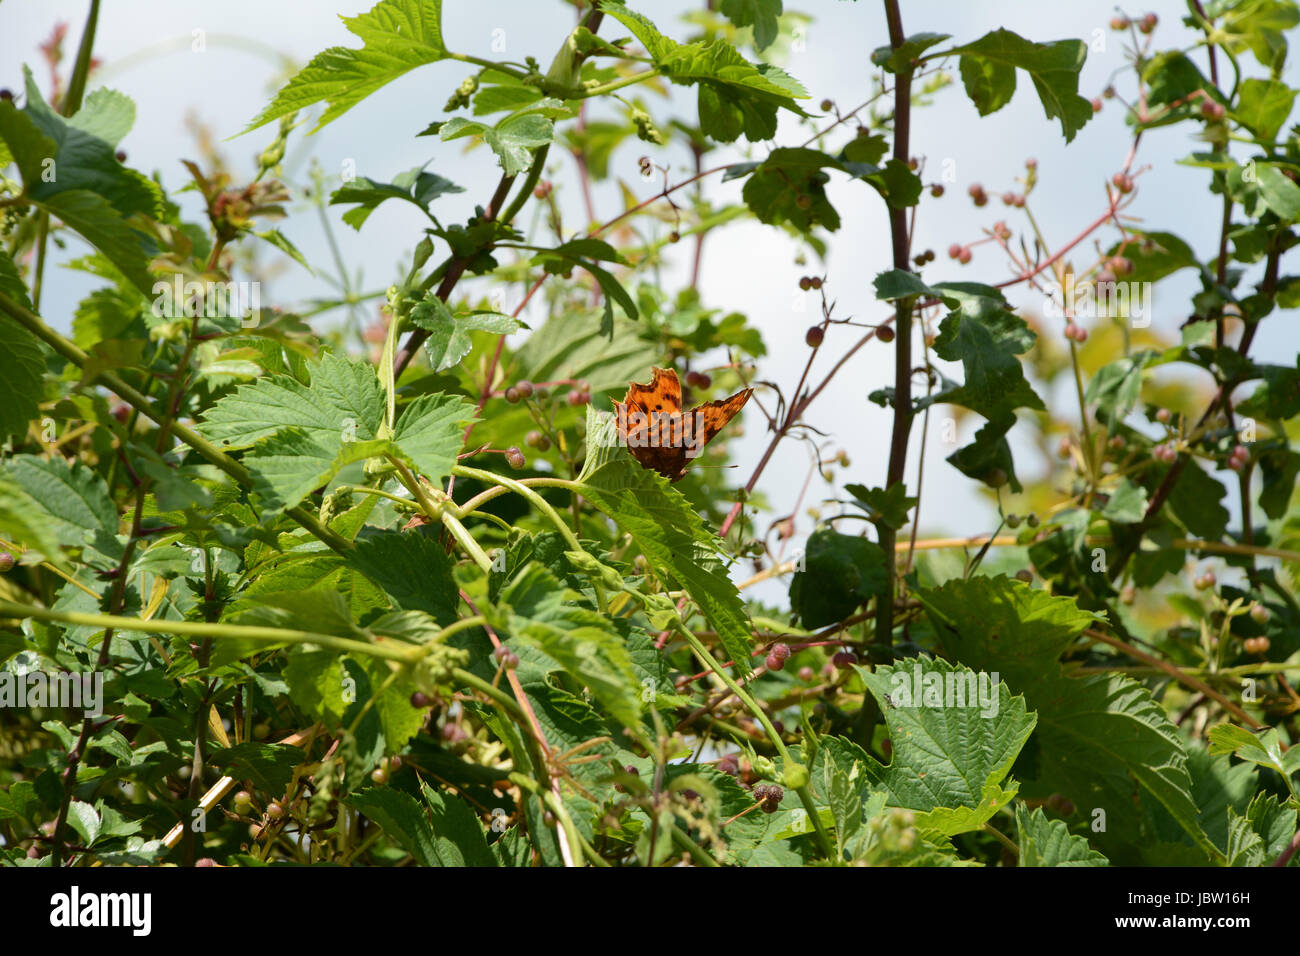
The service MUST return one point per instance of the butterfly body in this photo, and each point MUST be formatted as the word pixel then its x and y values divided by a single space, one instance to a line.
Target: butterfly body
pixel 660 434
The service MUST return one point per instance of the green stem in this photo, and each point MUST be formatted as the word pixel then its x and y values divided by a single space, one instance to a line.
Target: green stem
pixel 272 635
pixel 805 794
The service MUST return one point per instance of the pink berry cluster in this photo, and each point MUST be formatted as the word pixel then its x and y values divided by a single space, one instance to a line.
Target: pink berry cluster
pixel 1239 457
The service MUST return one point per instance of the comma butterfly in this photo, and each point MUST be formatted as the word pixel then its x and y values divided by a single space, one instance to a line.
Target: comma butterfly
pixel 657 433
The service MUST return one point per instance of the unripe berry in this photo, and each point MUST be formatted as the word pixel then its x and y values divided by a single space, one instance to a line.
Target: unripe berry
pixel 7 95
pixel 379 775
pixel 1121 266
pixel 936 190
pixel 1013 521
pixel 524 388
pixel 806 674
pixel 1105 276
pixel 1259 614
pixel 885 334
pixel 1025 575
pixel 814 336
pixel 515 458
pixel 805 283
pixel 512 395
pixel 1148 23
pixel 420 700
pixel 1205 581
pixel 1063 448
pixel 1122 181
pixel 576 398
pixel 827 106
pixel 120 156
pixel 954 251
pixel 816 282
pixel 1128 594
pixel 730 765
pixel 7 562
pixel 1096 105
pixel 774 663
pixel 1119 23
pixel 274 811
pixel 1163 415
pixel 1032 521
pixel 243 801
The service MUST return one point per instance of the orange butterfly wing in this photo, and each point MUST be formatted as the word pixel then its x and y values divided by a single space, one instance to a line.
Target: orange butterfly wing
pixel 658 435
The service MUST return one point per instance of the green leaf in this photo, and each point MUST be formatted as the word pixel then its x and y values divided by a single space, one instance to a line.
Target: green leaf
pixel 105 115
pixel 70 500
pixel 1127 504
pixel 1096 735
pixel 1004 625
pixel 789 186
pixel 955 735
pixel 269 767
pixel 83 818
pixel 900 60
pixel 22 361
pixel 414 186
pixel 412 568
pixel 343 394
pixel 1194 503
pixel 431 432
pixel 1262 834
pixel 290 465
pixel 397 36
pixel 670 534
pixel 513 138
pixel 544 613
pixel 459 839
pixel 1263 749
pixel 888 508
pixel 278 239
pixel 841 573
pixel 989 83
pixel 449 338
pixel 763 15
pixel 734 95
pixel 1280 194
pixel 1263 106
pixel 1053 68
pixel 1045 842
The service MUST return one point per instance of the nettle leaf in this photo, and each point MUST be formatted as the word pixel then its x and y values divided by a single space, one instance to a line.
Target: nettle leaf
pixel 763 15
pixel 449 338
pixel 398 36
pixel 1000 623
pixel 1263 106
pixel 1098 734
pixel 414 186
pixel 955 735
pixel 69 501
pixel 841 573
pixel 513 138
pixel 735 96
pixel 987 68
pixel 1262 834
pixel 431 432
pixel 1045 842
pixel 412 568
pixel 544 613
pixel 22 361
pixel 676 543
